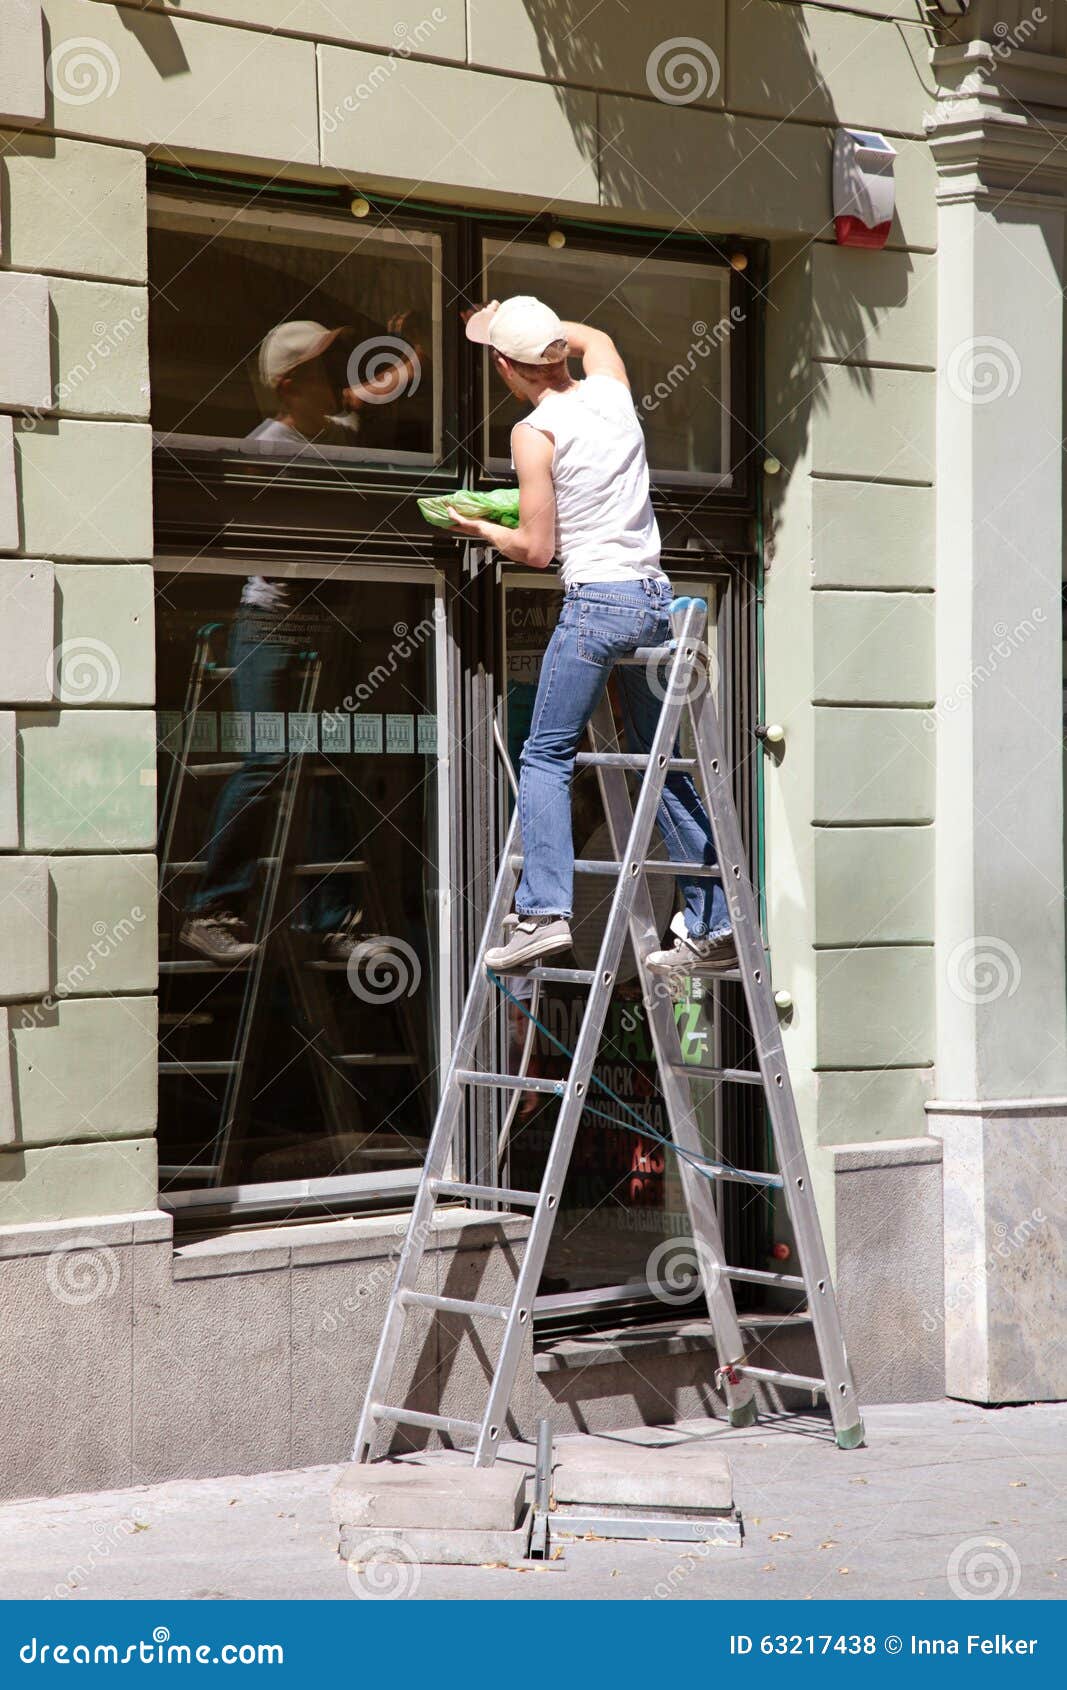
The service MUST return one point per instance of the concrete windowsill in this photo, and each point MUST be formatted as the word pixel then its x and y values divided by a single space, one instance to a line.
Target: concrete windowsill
pixel 358 1238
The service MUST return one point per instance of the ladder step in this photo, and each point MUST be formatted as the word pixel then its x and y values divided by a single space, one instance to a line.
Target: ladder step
pixel 453 1305
pixel 627 760
pixel 758 1276
pixel 430 1422
pixel 741 1176
pixel 772 1375
pixel 652 865
pixel 491 1193
pixel 205 967
pixel 559 976
pixel 510 1082
pixel 369 1059
pixel 648 654
pixel 699 1071
pixel 197 1067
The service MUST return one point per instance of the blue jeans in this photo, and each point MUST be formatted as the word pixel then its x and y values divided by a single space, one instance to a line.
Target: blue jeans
pixel 598 624
pixel 260 654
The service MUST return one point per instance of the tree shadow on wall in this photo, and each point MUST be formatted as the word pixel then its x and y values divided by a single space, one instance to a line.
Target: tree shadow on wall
pixel 663 146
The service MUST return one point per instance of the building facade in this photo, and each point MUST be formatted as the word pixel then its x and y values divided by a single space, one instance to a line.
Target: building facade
pixel 241 675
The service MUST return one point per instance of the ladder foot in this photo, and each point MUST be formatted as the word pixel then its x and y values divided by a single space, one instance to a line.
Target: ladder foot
pixel 745 1414
pixel 851 1437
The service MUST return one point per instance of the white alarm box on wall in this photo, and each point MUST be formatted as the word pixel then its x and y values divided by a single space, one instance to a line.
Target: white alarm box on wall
pixel 864 187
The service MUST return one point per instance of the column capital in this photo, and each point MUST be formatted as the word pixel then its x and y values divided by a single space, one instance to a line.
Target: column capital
pixel 1000 124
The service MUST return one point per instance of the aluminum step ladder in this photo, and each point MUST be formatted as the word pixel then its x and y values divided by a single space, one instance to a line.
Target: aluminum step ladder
pixel 686 695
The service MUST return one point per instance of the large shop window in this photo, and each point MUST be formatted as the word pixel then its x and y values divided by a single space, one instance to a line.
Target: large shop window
pixel 623 1234
pixel 674 324
pixel 301 815
pixel 290 336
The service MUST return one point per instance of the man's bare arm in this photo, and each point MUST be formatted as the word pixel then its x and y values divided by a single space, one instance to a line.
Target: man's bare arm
pixel 533 542
pixel 598 352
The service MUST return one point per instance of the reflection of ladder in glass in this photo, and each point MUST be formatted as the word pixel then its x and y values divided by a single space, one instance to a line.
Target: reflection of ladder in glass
pixel 274 949
pixel 630 912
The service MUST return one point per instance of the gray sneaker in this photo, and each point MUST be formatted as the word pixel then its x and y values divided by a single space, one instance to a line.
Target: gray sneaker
pixel 526 940
pixel 693 956
pixel 222 937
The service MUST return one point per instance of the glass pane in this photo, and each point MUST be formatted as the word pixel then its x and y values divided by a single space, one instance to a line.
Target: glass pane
pixel 671 321
pixel 298 785
pixel 293 338
pixel 622 1213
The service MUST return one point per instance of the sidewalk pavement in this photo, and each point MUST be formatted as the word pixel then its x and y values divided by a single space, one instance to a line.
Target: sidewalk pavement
pixel 946 1500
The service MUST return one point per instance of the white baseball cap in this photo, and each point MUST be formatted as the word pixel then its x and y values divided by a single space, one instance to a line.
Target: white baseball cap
pixel 289 345
pixel 522 328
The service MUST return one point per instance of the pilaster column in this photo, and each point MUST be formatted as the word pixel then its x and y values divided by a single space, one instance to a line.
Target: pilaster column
pixel 1001 1107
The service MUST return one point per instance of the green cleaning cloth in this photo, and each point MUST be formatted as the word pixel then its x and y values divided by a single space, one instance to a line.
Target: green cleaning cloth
pixel 502 505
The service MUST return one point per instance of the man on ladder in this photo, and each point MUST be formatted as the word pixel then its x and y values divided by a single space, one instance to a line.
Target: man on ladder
pixel 584 500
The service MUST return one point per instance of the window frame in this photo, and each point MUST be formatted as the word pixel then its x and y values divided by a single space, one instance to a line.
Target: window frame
pixel 390 1188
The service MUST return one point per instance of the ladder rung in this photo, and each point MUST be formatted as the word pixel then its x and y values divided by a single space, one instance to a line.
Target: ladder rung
pixel 197 1067
pixel 431 1422
pixel 560 976
pixel 370 1060
pixel 699 1071
pixel 651 865
pixel 491 1193
pixel 453 1305
pixel 758 1276
pixel 627 760
pixel 741 1176
pixel 205 967
pixel 800 1380
pixel 648 654
pixel 510 1082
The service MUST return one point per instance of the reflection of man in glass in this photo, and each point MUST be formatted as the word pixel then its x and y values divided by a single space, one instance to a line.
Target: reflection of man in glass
pixel 315 405
pixel 265 640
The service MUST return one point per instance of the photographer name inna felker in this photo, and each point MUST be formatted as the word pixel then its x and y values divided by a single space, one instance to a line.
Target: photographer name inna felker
pixel 827 1643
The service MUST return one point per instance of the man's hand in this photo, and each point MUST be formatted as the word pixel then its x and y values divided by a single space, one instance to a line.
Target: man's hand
pixel 474 528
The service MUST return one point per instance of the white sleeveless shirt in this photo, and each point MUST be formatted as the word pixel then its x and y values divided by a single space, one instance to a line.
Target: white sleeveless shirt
pixel 605 528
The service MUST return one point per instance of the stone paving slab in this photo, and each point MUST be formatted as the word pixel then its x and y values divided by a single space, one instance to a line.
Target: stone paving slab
pixel 891 1520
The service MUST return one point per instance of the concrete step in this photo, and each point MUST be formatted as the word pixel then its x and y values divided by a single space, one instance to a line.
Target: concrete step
pixel 401 1494
pixel 684 1478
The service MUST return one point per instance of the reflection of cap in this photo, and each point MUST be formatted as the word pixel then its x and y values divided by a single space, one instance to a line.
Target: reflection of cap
pixel 289 345
pixel 521 328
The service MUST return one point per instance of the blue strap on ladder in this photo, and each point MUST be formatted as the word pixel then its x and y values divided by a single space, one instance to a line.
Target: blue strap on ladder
pixel 703 1164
